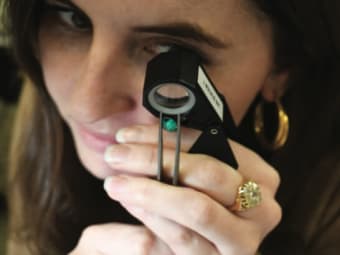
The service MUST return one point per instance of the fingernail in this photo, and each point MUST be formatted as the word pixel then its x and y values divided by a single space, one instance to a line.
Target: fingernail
pixel 135 209
pixel 129 134
pixel 107 183
pixel 120 136
pixel 115 183
pixel 116 153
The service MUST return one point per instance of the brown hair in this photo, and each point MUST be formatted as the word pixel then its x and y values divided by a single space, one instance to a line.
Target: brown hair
pixel 45 165
pixel 48 186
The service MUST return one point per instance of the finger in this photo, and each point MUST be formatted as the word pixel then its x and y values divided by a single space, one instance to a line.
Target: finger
pixel 191 209
pixel 148 134
pixel 264 216
pixel 200 172
pixel 117 239
pixel 253 167
pixel 178 238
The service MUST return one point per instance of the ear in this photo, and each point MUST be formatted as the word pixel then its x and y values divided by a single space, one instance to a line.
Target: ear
pixel 275 86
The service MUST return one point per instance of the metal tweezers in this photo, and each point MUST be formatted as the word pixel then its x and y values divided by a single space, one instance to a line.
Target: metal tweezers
pixel 175 171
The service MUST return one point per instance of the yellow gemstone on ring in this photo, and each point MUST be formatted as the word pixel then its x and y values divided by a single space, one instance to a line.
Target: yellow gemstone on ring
pixel 249 196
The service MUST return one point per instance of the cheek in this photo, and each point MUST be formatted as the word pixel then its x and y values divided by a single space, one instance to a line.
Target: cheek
pixel 246 65
pixel 241 80
pixel 60 66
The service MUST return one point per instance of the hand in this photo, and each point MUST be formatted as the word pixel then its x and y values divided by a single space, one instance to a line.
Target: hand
pixel 193 219
pixel 119 239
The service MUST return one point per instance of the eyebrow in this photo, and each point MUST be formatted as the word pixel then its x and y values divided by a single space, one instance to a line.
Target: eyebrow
pixel 66 2
pixel 178 29
pixel 184 30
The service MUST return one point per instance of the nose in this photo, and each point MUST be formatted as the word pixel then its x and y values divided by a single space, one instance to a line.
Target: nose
pixel 109 84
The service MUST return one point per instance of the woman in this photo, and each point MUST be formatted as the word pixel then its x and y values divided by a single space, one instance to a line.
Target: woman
pixel 87 63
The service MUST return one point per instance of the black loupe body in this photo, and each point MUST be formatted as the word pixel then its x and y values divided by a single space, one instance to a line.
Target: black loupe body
pixel 177 87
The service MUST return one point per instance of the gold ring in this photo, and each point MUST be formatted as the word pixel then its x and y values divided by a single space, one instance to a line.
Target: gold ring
pixel 248 196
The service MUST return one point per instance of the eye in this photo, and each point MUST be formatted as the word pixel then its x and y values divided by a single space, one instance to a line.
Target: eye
pixel 158 48
pixel 70 17
pixel 75 19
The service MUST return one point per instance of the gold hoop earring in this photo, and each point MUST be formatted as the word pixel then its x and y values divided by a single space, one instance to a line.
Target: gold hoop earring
pixel 282 130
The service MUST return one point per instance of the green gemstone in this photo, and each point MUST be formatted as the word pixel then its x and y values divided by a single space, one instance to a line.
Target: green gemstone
pixel 169 125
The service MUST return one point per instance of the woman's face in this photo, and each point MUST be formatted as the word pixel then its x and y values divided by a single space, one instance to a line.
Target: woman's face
pixel 94 56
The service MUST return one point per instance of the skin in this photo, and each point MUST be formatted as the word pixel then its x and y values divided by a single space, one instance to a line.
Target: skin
pixel 95 76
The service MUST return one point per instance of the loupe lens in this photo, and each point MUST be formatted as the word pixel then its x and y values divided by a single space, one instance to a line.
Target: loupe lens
pixel 171 96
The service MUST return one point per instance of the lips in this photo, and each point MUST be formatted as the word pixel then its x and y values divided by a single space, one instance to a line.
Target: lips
pixel 94 140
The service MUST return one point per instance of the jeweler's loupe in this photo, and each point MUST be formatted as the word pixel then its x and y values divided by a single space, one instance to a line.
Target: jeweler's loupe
pixel 178 91
pixel 171 98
